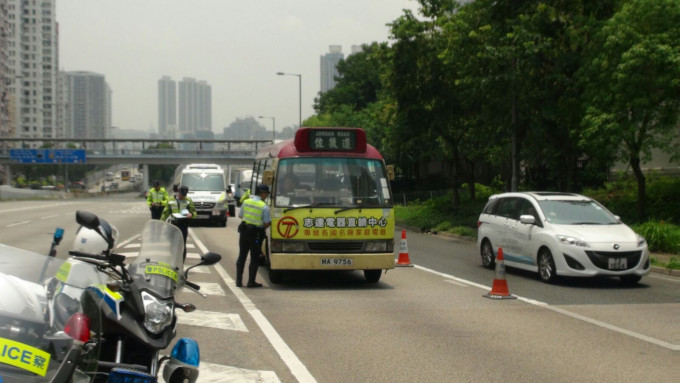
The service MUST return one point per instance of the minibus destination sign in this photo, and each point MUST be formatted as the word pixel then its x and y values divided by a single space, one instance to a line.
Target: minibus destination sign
pixel 332 140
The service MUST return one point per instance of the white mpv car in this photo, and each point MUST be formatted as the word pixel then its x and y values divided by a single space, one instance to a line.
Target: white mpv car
pixel 560 234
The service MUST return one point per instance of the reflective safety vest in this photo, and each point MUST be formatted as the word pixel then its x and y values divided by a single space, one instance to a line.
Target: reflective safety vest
pixel 252 211
pixel 157 196
pixel 177 205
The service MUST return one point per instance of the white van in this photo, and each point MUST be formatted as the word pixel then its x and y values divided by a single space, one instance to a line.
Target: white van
pixel 208 189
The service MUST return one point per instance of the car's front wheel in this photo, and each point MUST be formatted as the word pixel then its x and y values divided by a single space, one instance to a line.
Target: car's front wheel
pixel 546 266
pixel 488 257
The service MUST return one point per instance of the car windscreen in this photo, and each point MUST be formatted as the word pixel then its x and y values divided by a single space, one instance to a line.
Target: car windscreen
pixel 203 182
pixel 576 213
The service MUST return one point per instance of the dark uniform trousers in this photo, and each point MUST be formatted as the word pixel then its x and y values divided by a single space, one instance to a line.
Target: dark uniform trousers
pixel 249 241
pixel 156 211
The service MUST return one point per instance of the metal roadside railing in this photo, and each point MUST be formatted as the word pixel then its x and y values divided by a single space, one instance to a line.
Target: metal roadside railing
pixel 407 198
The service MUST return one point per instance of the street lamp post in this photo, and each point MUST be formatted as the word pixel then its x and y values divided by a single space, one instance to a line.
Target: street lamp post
pixel 299 76
pixel 273 127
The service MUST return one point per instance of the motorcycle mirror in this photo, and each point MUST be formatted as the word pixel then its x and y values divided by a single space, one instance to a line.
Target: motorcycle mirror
pixel 58 235
pixel 210 258
pixel 87 219
pixel 207 259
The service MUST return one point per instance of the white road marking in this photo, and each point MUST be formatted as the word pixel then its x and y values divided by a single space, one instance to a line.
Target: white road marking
pixel 212 319
pixel 193 256
pixel 128 255
pixel 285 353
pixel 191 246
pixel 596 322
pixel 209 288
pixel 215 373
pixel 451 281
pixel 50 216
pixel 124 243
pixel 132 245
pixel 665 278
pixel 37 207
pixel 18 223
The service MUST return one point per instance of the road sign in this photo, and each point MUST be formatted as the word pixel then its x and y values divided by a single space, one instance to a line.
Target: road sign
pixel 48 156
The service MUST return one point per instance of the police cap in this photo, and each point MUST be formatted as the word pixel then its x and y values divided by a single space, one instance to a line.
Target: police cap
pixel 262 188
pixel 183 190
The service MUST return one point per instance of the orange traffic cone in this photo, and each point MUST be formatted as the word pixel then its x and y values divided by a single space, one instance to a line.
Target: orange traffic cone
pixel 403 252
pixel 499 290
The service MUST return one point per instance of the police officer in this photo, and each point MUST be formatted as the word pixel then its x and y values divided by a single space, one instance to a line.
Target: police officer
pixel 255 219
pixel 157 198
pixel 176 205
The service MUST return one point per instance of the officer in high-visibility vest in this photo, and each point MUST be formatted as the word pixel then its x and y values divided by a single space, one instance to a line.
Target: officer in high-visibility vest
pixel 157 198
pixel 176 205
pixel 255 220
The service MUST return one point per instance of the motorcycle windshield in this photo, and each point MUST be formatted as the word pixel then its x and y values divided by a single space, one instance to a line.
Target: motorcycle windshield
pixel 158 268
pixel 32 347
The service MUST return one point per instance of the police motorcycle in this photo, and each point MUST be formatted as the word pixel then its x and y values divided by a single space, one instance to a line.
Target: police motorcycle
pixel 32 348
pixel 136 306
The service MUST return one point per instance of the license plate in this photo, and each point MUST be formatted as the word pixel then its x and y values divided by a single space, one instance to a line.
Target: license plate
pixel 201 216
pixel 618 263
pixel 216 212
pixel 337 262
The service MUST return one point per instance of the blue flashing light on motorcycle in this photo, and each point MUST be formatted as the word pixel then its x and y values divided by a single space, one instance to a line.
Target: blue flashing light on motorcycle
pixel 186 351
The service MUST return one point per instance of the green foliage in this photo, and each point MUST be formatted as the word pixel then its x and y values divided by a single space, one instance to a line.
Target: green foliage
pixel 482 87
pixel 674 263
pixel 620 197
pixel 439 214
pixel 661 237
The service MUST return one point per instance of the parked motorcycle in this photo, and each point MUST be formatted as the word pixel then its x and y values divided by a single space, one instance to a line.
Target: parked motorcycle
pixel 32 348
pixel 138 312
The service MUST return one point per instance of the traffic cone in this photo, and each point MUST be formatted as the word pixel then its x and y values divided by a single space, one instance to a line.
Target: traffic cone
pixel 499 290
pixel 403 252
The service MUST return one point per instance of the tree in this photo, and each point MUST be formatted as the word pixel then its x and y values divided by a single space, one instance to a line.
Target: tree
pixel 633 93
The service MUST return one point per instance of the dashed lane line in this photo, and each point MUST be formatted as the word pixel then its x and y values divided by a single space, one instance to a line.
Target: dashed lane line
pixel 17 223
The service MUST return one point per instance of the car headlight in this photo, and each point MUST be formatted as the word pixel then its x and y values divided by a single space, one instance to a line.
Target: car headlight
pixel 641 241
pixel 157 313
pixel 567 240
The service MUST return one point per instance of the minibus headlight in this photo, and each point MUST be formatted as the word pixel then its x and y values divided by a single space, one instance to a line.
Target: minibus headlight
pixel 287 247
pixel 293 247
pixel 377 246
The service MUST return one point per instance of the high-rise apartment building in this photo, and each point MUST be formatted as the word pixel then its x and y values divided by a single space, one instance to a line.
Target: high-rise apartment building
pixel 88 105
pixel 167 107
pixel 194 106
pixel 6 98
pixel 329 61
pixel 31 69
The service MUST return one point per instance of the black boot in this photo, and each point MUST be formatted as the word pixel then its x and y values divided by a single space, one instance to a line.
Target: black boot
pixel 252 274
pixel 239 275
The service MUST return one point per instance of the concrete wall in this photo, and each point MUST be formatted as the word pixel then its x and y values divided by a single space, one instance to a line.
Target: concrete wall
pixel 8 192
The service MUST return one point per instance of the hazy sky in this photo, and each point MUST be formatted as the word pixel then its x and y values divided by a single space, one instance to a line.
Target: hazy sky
pixel 237 46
